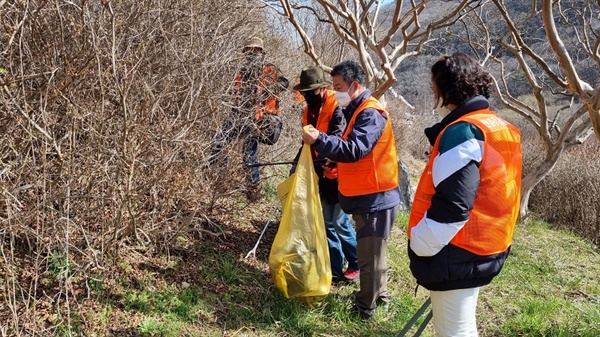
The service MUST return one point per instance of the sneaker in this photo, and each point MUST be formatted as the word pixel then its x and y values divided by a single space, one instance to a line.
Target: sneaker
pixel 351 275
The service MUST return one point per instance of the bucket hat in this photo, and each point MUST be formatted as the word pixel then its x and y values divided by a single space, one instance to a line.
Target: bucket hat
pixel 312 78
pixel 254 42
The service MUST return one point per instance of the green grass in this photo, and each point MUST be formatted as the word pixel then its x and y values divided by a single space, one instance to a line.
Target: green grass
pixel 550 286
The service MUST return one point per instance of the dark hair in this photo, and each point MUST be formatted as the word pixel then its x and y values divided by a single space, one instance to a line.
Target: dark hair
pixel 350 72
pixel 459 78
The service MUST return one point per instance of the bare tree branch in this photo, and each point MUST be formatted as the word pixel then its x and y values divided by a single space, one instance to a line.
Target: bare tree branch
pixel 380 51
pixel 575 83
pixel 520 44
pixel 558 127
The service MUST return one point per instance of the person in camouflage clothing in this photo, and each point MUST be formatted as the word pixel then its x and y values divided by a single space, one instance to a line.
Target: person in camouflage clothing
pixel 255 111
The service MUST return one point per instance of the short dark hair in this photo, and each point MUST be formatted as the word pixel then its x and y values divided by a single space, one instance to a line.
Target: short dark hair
pixel 350 72
pixel 459 78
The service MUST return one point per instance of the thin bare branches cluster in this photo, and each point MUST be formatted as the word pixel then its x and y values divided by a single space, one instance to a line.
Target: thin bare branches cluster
pixel 382 36
pixel 107 110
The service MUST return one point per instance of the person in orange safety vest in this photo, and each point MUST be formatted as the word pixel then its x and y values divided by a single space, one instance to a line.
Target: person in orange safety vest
pixel 367 166
pixel 467 200
pixel 322 111
pixel 254 112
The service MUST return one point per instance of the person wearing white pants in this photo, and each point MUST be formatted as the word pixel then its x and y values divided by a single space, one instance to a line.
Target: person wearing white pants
pixel 467 201
pixel 454 312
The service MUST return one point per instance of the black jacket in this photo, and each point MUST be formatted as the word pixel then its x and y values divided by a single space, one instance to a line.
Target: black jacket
pixel 453 267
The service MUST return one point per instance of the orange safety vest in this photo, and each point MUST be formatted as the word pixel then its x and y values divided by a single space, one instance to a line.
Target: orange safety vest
pixel 378 170
pixel 491 223
pixel 327 109
pixel 267 78
pixel 298 95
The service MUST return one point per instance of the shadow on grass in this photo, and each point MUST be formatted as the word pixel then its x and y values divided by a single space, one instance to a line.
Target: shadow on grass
pixel 209 287
pixel 210 282
pixel 126 332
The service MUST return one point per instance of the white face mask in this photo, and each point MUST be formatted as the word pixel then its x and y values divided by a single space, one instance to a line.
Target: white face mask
pixel 442 110
pixel 343 98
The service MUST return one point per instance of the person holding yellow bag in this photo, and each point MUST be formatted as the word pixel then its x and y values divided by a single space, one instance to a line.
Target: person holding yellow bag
pixel 298 260
pixel 323 112
pixel 368 178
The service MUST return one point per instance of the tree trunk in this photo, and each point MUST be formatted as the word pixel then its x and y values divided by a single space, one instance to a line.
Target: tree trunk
pixel 594 111
pixel 534 177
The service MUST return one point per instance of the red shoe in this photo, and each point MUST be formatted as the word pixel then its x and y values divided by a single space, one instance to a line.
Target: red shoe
pixel 351 275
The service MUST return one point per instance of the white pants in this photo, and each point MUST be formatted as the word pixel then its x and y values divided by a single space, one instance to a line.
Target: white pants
pixel 454 312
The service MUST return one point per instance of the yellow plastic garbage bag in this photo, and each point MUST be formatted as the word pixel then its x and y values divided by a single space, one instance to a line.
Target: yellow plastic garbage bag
pixel 299 258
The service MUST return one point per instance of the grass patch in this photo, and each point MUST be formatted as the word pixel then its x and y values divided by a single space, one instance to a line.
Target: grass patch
pixel 550 286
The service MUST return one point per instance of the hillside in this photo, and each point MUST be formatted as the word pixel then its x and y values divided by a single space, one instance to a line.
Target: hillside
pixel 115 222
pixel 489 27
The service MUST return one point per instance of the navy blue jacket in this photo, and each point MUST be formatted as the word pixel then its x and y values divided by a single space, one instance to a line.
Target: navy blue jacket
pixel 365 133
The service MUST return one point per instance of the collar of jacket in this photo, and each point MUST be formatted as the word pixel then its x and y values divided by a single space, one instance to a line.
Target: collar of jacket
pixel 473 104
pixel 351 108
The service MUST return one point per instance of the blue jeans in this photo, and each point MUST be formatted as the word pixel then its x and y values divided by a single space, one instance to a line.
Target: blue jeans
pixel 228 133
pixel 341 238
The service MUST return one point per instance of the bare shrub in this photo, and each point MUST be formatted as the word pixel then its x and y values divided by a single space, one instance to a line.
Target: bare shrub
pixel 570 196
pixel 107 111
pixel 413 141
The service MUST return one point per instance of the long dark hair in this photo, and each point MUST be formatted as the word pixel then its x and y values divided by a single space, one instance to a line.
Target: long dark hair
pixel 459 78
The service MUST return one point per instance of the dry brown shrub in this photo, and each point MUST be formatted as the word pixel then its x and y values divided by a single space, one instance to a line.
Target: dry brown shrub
pixel 110 108
pixel 409 126
pixel 569 196
pixel 107 111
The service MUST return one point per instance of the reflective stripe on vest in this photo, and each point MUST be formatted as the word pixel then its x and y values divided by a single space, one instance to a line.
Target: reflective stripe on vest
pixel 492 220
pixel 378 170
